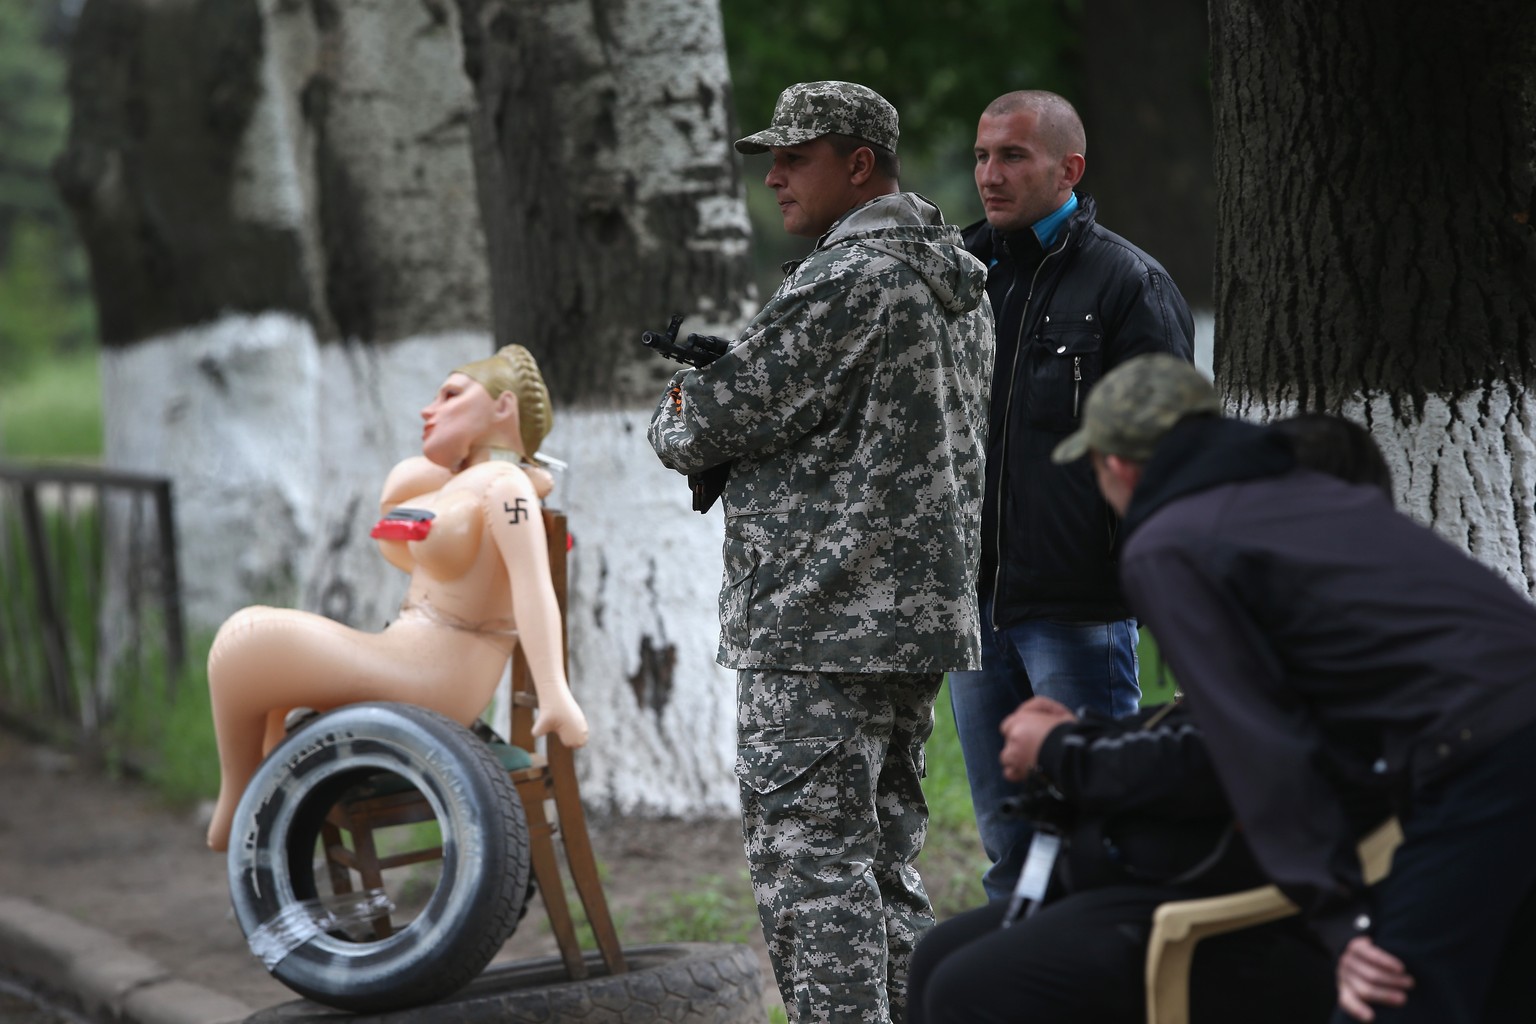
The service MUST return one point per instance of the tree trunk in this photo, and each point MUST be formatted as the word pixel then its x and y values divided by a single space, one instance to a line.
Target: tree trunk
pixel 612 196
pixel 1147 109
pixel 612 199
pixel 1376 171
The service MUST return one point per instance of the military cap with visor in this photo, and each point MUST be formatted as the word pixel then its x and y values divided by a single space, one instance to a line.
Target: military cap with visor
pixel 809 110
pixel 1128 412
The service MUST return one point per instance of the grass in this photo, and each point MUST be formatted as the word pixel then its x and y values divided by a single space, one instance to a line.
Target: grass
pixel 715 910
pixel 952 860
pixel 52 412
pixel 163 727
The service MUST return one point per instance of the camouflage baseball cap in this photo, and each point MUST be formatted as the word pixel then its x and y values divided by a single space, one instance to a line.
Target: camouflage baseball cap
pixel 812 109
pixel 1135 404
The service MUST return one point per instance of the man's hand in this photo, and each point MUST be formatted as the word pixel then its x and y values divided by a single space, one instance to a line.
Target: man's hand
pixel 1369 974
pixel 1025 730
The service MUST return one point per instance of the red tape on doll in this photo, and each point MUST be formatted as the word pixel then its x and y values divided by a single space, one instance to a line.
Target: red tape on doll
pixel 403 524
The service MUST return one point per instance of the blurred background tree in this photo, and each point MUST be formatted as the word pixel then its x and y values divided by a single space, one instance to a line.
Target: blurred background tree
pixel 45 302
pixel 1136 70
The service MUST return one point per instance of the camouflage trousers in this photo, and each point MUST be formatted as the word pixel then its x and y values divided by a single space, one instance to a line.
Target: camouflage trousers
pixel 833 816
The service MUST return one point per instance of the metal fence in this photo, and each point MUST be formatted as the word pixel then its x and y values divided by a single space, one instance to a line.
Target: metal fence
pixel 88 577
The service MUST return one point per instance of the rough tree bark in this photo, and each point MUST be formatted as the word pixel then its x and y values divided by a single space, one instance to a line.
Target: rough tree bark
pixel 612 199
pixel 1376 166
pixel 610 189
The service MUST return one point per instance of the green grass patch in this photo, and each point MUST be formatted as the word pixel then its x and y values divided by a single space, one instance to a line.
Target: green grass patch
pixel 716 910
pixel 1157 683
pixel 952 861
pixel 163 726
pixel 52 410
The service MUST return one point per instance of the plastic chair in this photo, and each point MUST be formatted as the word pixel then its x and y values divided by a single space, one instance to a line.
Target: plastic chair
pixel 1177 926
pixel 539 780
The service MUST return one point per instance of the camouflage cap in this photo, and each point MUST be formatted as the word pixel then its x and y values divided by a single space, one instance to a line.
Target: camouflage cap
pixel 1135 404
pixel 812 109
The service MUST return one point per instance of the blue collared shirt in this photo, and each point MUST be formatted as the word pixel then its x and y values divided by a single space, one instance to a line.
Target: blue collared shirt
pixel 1048 227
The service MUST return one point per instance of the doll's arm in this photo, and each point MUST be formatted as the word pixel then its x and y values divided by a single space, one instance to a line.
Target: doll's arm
pixel 517 525
pixel 411 478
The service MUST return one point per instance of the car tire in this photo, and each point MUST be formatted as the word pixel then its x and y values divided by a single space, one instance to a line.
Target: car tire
pixel 676 983
pixel 469 916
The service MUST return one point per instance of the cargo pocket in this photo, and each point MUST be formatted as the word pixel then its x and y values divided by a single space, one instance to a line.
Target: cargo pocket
pixel 801 796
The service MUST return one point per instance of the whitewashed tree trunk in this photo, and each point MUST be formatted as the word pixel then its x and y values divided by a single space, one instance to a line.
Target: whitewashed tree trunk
pixel 283 210
pixel 613 199
pixel 1376 166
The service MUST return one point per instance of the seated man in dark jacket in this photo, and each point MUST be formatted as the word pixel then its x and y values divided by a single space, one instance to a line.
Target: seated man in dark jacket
pixel 1144 821
pixel 1330 645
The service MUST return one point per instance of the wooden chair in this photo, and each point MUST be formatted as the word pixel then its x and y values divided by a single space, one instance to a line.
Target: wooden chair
pixel 540 779
pixel 1179 925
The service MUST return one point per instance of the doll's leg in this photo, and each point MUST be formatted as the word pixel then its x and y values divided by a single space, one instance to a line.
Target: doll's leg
pixel 266 661
pixel 263 662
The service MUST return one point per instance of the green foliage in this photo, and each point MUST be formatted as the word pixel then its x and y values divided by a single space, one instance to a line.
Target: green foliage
pixel 777 1015
pixel 53 412
pixel 34 112
pixel 45 304
pixel 939 61
pixel 43 309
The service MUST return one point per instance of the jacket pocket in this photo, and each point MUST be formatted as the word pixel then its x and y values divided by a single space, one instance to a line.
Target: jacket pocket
pixel 736 591
pixel 1067 359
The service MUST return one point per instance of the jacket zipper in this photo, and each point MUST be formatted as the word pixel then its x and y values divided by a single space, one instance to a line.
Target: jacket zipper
pixel 997 573
pixel 1077 382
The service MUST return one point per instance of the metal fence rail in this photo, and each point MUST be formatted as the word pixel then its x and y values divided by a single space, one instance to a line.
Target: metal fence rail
pixel 62 529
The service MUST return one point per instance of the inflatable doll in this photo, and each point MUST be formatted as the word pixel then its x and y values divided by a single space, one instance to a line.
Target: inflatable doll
pixel 463 519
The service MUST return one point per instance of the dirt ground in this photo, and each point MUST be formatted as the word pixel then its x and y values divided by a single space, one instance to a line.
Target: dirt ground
pixel 107 853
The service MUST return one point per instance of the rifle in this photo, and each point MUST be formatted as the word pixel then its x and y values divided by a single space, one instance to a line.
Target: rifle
pixel 697 350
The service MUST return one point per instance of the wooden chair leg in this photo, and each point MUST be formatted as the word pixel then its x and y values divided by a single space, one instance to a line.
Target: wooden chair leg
pixel 546 869
pixel 373 876
pixel 583 864
pixel 341 878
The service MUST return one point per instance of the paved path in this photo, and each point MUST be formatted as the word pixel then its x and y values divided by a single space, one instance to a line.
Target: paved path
pixel 110 897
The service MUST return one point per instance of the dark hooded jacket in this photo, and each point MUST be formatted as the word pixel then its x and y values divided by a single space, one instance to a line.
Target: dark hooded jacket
pixel 1334 652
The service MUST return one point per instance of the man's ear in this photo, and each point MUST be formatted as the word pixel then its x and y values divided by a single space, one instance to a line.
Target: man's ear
pixel 861 165
pixel 1124 470
pixel 1072 167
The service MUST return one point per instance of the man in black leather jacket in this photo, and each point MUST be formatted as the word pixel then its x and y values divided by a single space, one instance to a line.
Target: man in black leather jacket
pixel 1072 300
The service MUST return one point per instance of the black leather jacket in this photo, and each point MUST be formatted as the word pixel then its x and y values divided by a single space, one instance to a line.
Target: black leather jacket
pixel 1064 318
pixel 1141 805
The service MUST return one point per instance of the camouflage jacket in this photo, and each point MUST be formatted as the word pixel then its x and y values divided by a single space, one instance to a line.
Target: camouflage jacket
pixel 854 411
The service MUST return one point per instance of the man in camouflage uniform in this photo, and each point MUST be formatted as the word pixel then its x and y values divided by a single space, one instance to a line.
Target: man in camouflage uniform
pixel 852 414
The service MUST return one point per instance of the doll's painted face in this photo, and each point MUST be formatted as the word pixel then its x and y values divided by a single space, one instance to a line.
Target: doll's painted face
pixel 459 419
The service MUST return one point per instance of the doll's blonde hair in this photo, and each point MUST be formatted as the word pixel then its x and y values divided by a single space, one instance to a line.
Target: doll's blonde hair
pixel 514 369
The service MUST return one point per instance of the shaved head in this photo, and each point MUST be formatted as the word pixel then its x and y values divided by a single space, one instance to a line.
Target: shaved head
pixel 1058 126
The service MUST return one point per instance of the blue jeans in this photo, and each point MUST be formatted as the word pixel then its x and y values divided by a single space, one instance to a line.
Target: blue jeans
pixel 1084 665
